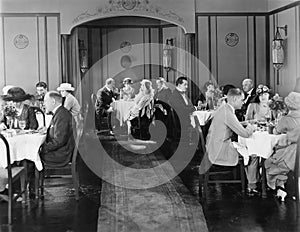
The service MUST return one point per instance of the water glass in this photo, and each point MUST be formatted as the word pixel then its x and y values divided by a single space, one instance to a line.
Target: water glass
pixel 22 124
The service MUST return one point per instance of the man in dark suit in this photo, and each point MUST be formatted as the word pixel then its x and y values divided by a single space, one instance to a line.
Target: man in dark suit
pixel 105 96
pixel 182 106
pixel 250 94
pixel 58 147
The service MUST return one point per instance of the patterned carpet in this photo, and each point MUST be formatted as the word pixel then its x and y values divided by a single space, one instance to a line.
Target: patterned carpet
pixel 131 199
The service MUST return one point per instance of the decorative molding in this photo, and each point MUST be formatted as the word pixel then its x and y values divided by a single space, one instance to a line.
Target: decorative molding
pixel 125 6
pixel 21 41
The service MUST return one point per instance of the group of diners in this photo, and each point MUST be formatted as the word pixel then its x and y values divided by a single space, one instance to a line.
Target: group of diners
pixel 235 112
pixel 58 146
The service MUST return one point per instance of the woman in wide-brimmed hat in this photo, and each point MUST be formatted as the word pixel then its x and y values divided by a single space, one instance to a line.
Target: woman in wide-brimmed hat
pixel 283 160
pixel 16 97
pixel 70 102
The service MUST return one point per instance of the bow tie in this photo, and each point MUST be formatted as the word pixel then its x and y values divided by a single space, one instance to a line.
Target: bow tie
pixel 182 92
pixel 50 113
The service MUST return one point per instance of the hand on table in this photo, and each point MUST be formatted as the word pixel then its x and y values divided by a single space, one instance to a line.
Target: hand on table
pixel 42 130
pixel 110 109
pixel 251 128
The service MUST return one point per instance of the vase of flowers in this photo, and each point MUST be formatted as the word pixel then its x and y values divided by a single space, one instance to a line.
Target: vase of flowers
pixel 277 106
pixel 10 113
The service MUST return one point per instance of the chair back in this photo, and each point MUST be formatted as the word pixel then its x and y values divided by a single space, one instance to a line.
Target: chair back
pixel 40 115
pixel 93 99
pixel 9 172
pixel 201 136
pixel 296 171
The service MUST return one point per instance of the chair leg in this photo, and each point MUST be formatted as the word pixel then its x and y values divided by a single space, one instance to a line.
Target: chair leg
pixel 242 170
pixel 36 182
pixel 206 179
pixel 23 187
pixel 75 181
pixel 10 202
pixel 41 183
pixel 263 179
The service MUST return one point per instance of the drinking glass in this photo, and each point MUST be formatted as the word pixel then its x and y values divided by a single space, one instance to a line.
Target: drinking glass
pixel 22 124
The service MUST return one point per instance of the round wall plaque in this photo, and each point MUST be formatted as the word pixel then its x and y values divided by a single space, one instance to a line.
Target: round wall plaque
pixel 125 46
pixel 129 4
pixel 125 61
pixel 231 39
pixel 21 41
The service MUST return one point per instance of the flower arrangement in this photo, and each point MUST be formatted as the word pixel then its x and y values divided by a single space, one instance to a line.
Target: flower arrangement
pixel 277 104
pixel 10 111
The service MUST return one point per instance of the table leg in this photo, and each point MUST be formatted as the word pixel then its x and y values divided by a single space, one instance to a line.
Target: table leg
pixel 263 179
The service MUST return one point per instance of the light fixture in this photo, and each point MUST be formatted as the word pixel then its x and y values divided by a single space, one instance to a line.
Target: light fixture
pixel 83 59
pixel 278 48
pixel 167 55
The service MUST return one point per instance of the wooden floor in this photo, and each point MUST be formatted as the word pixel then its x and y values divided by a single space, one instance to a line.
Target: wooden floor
pixel 225 210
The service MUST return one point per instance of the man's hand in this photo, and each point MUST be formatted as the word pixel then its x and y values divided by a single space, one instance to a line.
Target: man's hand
pixel 42 130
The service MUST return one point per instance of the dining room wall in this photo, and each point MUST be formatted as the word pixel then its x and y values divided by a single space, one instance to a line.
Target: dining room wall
pixel 230 48
pixel 283 81
pixel 30 52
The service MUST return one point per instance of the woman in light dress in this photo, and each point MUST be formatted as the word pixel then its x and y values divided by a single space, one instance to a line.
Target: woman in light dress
pixel 259 109
pixel 141 113
pixel 283 160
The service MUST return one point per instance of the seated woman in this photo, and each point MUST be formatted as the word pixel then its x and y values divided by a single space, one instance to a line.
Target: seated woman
pixel 16 97
pixel 259 109
pixel 210 99
pixel 127 92
pixel 141 113
pixel 283 160
pixel 161 98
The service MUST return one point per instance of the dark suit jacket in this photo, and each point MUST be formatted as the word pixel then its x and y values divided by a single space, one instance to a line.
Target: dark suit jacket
pixel 58 148
pixel 104 99
pixel 163 95
pixel 242 112
pixel 182 110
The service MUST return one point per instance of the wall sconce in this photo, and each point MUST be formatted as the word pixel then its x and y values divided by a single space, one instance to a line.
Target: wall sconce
pixel 278 48
pixel 83 59
pixel 167 55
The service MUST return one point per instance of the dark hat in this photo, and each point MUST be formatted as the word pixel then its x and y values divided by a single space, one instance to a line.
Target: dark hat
pixel 16 94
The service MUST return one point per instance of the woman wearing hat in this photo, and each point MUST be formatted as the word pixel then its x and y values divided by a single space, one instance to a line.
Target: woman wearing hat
pixel 16 97
pixel 70 102
pixel 259 109
pixel 283 160
pixel 127 92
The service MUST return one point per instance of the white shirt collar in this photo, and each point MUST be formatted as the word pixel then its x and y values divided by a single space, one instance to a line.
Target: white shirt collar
pixel 231 107
pixel 250 91
pixel 108 88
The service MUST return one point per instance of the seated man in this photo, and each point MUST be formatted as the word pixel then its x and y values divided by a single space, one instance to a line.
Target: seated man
pixel 219 147
pixel 41 90
pixel 58 147
pixel 105 96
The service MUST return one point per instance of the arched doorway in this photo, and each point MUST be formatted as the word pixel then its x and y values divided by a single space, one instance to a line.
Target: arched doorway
pixel 120 47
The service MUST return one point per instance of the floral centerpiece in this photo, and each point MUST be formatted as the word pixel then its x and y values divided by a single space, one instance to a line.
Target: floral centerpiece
pixel 277 105
pixel 11 113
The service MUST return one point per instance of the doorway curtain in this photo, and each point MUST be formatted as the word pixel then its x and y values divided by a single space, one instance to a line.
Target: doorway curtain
pixel 71 63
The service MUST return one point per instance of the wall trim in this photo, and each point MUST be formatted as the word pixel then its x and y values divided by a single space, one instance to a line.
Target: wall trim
pixel 283 8
pixel 30 14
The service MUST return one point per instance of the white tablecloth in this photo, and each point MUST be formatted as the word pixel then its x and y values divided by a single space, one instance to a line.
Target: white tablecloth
pixel 122 109
pixel 203 117
pixel 261 143
pixel 25 146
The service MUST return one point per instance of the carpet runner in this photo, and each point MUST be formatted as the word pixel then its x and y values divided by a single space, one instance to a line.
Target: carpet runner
pixel 131 201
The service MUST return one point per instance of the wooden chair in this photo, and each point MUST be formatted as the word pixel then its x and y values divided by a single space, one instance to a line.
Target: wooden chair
pixel 39 112
pixel 296 171
pixel 9 176
pixel 204 181
pixel 71 165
